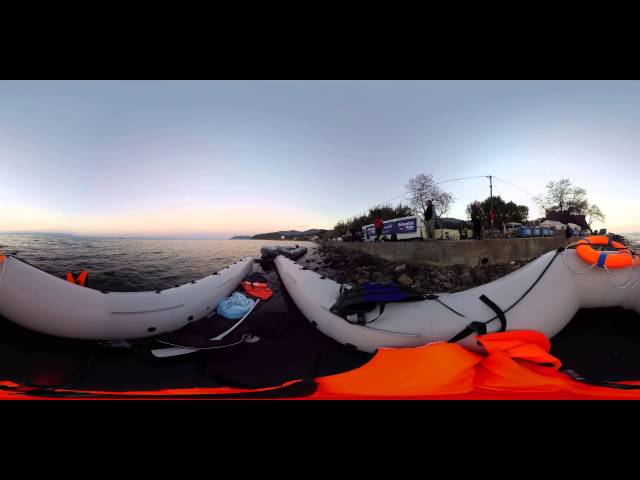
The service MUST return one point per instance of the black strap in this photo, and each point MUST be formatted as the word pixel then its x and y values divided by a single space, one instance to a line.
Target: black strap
pixel 361 320
pixel 532 285
pixel 503 319
pixel 480 328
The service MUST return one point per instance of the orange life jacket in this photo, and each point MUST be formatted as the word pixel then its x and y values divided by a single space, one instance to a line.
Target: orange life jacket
pixel 517 365
pixel 80 280
pixel 258 289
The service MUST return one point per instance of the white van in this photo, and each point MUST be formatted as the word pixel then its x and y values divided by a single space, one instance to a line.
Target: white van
pixel 405 228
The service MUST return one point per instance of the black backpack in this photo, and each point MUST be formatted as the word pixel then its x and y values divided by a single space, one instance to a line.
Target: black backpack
pixel 364 298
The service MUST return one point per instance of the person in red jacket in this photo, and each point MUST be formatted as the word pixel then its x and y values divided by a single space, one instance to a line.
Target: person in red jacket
pixel 378 226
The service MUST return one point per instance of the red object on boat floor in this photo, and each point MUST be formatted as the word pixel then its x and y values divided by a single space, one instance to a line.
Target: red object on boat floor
pixel 258 289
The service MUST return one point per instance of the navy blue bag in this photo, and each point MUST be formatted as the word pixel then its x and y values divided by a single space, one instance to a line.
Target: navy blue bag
pixel 364 298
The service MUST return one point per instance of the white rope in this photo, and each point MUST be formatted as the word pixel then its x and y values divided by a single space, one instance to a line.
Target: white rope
pixel 625 284
pixel 564 260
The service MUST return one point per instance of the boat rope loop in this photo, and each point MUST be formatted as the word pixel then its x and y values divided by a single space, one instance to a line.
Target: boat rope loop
pixel 433 296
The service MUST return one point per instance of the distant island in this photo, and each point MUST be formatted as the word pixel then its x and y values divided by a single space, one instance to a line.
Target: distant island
pixel 283 235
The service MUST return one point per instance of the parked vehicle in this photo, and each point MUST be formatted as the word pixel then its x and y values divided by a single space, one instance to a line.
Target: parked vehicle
pixel 405 228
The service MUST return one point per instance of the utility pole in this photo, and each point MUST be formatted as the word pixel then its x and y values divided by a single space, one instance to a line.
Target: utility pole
pixel 491 202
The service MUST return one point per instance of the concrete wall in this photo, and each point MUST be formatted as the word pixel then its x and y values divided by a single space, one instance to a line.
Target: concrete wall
pixel 462 252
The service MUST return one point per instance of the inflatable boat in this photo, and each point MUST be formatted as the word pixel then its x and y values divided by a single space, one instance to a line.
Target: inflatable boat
pixel 270 252
pixel 295 360
pixel 543 295
pixel 41 302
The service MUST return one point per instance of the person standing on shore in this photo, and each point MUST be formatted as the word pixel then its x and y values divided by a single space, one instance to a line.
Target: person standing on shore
pixel 378 226
pixel 567 235
pixel 429 221
pixel 476 218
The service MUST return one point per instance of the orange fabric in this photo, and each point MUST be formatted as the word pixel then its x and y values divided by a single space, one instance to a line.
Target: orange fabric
pixel 166 393
pixel 81 280
pixel 258 290
pixel 435 369
pixel 517 365
pixel 513 363
pixel 620 259
pixel 2 257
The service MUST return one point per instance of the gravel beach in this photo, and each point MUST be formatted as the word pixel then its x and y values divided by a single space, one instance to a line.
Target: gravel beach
pixel 352 267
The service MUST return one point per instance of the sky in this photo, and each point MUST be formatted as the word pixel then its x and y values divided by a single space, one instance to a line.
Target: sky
pixel 221 158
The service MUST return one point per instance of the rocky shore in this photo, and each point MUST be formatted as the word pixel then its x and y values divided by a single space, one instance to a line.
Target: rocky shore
pixel 353 267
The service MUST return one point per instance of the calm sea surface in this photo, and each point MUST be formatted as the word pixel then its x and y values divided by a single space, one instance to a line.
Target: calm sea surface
pixel 633 238
pixel 130 264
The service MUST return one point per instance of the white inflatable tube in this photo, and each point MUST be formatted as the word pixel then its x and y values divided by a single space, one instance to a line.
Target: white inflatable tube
pixel 547 307
pixel 47 304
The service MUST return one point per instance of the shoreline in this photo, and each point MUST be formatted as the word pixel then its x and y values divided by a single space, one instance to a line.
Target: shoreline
pixel 355 268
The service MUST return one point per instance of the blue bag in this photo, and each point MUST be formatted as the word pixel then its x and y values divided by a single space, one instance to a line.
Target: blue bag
pixel 234 307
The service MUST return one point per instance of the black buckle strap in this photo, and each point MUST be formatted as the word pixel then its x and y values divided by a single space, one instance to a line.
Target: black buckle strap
pixel 501 316
pixel 362 321
pixel 480 328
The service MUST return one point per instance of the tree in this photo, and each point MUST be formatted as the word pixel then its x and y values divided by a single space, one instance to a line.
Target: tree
pixel 422 188
pixel 566 198
pixel 562 196
pixel 593 214
pixel 505 212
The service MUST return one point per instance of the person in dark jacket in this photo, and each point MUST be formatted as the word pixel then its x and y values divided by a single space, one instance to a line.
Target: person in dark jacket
pixel 429 221
pixel 476 217
pixel 567 235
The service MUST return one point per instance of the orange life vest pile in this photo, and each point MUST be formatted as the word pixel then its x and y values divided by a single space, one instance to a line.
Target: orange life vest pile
pixel 258 289
pixel 517 365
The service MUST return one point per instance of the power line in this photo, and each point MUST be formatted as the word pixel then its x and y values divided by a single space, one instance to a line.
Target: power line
pixel 438 183
pixel 515 186
pixel 463 178
pixel 456 180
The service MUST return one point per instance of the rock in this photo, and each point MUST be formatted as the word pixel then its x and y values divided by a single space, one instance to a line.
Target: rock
pixel 405 280
pixel 401 268
pixel 466 276
pixel 389 270
pixel 379 277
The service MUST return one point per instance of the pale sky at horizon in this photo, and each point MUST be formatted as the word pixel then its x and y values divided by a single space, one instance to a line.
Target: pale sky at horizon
pixel 222 158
